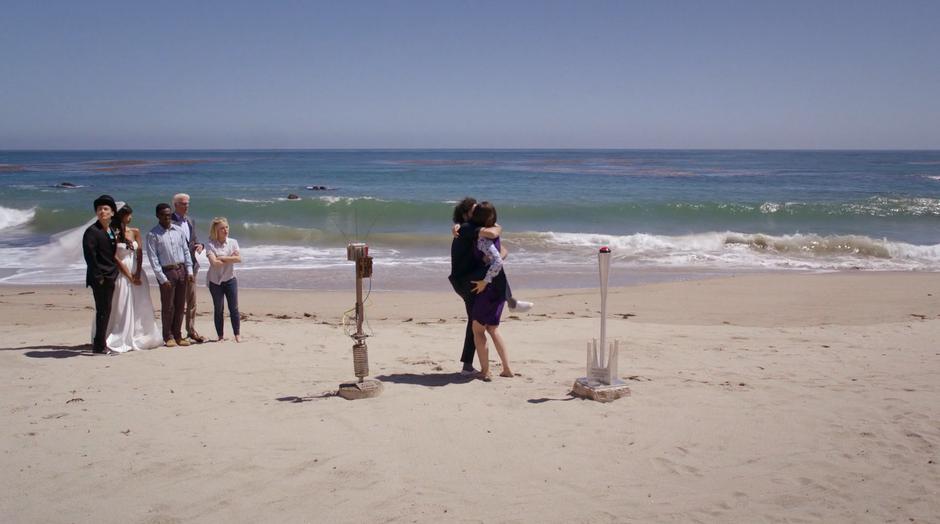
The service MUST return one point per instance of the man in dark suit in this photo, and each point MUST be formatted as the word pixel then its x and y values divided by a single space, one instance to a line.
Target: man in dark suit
pixel 185 222
pixel 98 246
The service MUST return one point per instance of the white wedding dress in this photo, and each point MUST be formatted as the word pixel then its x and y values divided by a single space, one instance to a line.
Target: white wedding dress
pixel 132 325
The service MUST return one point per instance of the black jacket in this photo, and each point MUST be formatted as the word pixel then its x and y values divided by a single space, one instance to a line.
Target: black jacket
pixel 465 267
pixel 98 248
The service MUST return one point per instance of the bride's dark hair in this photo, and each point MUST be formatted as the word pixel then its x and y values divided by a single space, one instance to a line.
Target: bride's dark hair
pixel 484 215
pixel 117 222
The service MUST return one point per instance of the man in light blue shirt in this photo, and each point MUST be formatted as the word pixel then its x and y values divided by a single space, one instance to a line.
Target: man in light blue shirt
pixel 173 266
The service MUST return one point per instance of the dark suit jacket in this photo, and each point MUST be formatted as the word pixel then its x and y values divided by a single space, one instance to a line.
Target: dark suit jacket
pixel 98 249
pixel 464 266
pixel 178 220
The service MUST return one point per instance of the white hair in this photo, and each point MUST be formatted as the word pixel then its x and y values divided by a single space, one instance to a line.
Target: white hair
pixel 179 196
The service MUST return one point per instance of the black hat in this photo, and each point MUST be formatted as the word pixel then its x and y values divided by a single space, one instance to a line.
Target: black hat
pixel 105 200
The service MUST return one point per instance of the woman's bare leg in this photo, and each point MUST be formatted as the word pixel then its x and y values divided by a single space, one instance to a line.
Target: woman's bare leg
pixel 483 353
pixel 501 349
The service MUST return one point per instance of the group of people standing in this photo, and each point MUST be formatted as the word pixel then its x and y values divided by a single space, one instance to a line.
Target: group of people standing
pixel 113 251
pixel 477 275
pixel 124 314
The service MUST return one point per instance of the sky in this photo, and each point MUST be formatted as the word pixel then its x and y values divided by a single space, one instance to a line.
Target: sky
pixel 470 74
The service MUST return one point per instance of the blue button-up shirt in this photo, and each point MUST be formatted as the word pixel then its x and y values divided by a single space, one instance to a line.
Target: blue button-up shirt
pixel 166 247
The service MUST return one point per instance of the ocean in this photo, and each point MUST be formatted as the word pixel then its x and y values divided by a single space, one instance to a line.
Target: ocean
pixel 666 215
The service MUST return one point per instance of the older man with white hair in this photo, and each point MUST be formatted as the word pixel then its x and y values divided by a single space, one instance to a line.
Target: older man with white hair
pixel 185 222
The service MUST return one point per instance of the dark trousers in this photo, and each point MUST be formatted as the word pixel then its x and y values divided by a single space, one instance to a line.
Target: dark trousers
pixel 229 291
pixel 469 347
pixel 173 303
pixel 102 293
pixel 191 305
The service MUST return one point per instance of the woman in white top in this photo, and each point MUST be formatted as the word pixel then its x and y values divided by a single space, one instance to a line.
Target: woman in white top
pixel 223 254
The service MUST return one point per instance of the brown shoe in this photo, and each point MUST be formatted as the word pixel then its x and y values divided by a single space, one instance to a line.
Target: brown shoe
pixel 170 343
pixel 197 338
pixel 182 342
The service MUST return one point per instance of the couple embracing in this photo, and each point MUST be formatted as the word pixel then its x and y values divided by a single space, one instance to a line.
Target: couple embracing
pixel 124 318
pixel 477 275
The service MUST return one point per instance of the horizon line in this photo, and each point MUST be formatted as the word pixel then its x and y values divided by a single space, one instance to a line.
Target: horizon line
pixel 352 149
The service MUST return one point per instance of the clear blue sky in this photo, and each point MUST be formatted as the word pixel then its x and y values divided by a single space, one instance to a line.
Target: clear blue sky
pixel 400 74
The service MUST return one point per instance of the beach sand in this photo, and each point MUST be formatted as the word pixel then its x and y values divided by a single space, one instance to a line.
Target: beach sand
pixel 764 398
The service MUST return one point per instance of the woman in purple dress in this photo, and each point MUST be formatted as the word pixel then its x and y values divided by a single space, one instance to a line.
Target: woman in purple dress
pixel 490 294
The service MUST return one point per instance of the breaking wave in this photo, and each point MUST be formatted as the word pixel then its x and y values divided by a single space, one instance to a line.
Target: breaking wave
pixel 15 217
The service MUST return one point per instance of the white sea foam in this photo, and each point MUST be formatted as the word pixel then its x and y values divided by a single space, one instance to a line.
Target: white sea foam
pixel 331 200
pixel 252 201
pixel 532 253
pixel 306 257
pixel 10 217
pixel 731 250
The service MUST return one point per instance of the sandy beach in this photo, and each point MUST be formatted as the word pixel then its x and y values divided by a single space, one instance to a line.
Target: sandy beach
pixel 763 398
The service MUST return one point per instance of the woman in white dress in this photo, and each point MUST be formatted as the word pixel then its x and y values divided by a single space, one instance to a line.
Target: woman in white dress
pixel 132 325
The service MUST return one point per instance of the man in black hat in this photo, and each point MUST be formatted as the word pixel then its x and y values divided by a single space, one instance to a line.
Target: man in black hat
pixel 98 246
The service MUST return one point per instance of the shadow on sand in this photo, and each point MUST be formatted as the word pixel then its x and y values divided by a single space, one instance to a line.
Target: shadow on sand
pixel 53 351
pixel 297 400
pixel 544 399
pixel 431 380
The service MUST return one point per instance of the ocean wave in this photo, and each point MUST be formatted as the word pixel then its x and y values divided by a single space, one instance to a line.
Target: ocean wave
pixel 306 257
pixel 278 232
pixel 889 206
pixel 330 200
pixel 729 250
pixel 266 232
pixel 533 253
pixel 874 207
pixel 325 211
pixel 10 217
pixel 252 201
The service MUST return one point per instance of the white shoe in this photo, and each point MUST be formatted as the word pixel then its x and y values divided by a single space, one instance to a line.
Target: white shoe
pixel 521 306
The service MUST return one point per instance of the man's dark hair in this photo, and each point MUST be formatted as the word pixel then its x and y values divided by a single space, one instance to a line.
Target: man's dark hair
pixel 462 209
pixel 484 215
pixel 161 206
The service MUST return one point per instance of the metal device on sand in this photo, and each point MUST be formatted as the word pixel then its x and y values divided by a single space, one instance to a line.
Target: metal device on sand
pixel 358 252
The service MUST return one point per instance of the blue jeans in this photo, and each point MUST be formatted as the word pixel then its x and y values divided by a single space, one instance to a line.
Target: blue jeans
pixel 228 290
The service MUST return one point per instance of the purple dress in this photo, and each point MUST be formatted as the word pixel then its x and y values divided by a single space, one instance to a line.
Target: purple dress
pixel 488 305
